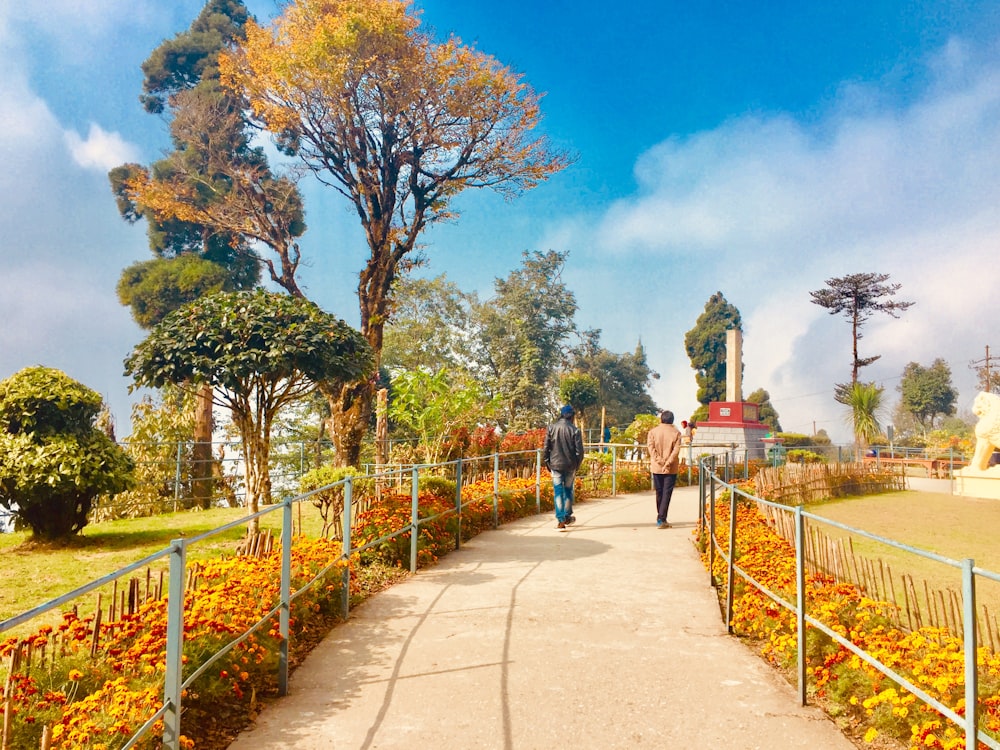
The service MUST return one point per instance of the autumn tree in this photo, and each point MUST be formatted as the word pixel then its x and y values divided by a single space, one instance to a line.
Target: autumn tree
pixel 927 392
pixel 191 256
pixel 706 347
pixel 398 124
pixel 259 352
pixel 858 296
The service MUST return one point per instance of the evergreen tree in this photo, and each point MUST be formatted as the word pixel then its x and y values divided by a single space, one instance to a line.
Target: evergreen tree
pixel 859 296
pixel 706 347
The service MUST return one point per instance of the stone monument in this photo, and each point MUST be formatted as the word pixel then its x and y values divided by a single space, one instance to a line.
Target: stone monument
pixel 733 423
pixel 980 478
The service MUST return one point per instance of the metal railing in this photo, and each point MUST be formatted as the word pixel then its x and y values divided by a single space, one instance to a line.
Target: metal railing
pixel 711 484
pixel 463 472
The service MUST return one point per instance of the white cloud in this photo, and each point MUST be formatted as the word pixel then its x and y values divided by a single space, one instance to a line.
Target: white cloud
pixel 101 150
pixel 766 209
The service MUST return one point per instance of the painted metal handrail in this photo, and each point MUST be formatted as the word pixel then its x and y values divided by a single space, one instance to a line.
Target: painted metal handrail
pixel 177 553
pixel 710 481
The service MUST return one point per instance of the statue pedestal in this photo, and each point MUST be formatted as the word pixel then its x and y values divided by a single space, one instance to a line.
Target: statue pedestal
pixel 982 484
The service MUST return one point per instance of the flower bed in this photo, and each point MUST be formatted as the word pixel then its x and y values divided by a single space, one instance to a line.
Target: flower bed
pixel 871 703
pixel 91 684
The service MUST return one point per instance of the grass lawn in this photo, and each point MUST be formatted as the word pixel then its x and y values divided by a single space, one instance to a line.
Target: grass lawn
pixel 951 526
pixel 35 574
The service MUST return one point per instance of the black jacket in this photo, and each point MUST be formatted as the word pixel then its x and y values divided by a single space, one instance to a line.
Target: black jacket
pixel 563 446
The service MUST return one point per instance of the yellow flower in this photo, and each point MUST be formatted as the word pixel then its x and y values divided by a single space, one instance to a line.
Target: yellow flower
pixel 75 675
pixel 871 734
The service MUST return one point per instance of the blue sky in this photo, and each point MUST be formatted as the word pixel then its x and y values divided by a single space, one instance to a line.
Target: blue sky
pixel 756 149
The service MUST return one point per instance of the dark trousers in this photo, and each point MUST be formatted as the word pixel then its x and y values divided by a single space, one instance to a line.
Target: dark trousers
pixel 664 486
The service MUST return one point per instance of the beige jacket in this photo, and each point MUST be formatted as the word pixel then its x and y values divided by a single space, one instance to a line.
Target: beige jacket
pixel 664 444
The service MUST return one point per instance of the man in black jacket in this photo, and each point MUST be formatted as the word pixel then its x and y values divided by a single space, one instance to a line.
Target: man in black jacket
pixel 563 454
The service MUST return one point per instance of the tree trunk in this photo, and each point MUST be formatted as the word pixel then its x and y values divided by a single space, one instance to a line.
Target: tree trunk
pixel 201 452
pixel 350 410
pixel 256 449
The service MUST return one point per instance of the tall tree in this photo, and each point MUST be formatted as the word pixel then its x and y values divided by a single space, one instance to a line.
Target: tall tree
pixel 207 130
pixel 431 326
pixel 259 352
pixel 398 124
pixel 927 392
pixel 706 347
pixel 859 296
pixel 624 379
pixel 524 330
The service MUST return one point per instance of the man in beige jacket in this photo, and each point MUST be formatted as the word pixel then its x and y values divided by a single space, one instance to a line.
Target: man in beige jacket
pixel 664 442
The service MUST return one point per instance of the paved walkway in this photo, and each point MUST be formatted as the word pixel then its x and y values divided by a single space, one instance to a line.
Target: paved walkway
pixel 607 636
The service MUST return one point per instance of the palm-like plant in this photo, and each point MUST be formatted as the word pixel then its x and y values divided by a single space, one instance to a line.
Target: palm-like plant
pixel 865 403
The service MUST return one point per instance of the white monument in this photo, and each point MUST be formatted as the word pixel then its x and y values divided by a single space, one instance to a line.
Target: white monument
pixel 979 479
pixel 733 423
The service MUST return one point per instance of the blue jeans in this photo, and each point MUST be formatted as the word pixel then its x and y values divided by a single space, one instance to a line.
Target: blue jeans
pixel 562 493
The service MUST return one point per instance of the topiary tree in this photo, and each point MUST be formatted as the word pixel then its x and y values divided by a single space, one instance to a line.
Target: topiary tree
pixel 260 352
pixel 53 459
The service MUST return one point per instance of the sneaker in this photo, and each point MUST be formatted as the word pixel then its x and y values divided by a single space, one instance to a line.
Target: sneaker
pixel 561 526
pixel 663 525
pixel 571 519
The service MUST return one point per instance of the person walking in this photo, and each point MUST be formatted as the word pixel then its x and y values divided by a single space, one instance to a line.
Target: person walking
pixel 562 455
pixel 664 443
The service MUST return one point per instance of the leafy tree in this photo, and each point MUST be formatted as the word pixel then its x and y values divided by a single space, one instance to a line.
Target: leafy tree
pixel 859 296
pixel 864 400
pixel 435 405
pixel 581 391
pixel 259 351
pixel 523 332
pixel 396 123
pixel 706 347
pixel 431 326
pixel 766 411
pixel 154 288
pixel 623 379
pixel 160 437
pixel 927 392
pixel 193 254
pixel 54 461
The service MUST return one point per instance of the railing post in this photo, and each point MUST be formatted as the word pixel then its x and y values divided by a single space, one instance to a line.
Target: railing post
pixel 731 569
pixel 711 532
pixel 414 517
pixel 971 647
pixel 458 502
pixel 496 490
pixel 174 676
pixel 800 599
pixel 538 481
pixel 614 471
pixel 345 545
pixel 177 476
pixel 285 594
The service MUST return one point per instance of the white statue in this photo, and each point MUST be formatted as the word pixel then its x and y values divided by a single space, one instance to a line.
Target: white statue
pixel 987 408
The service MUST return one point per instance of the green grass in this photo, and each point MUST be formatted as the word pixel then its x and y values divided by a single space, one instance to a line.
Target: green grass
pixel 35 574
pixel 951 526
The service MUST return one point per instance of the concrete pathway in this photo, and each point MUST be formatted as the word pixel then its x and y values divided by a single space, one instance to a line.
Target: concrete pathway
pixel 606 636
